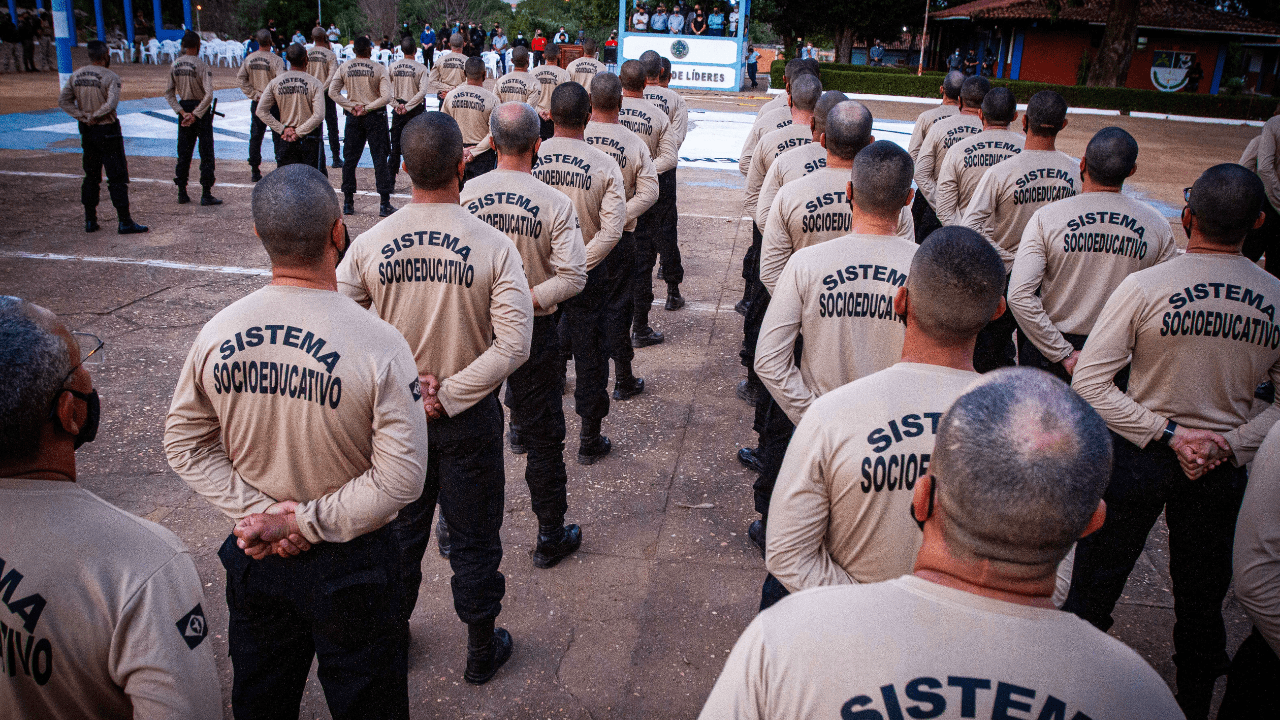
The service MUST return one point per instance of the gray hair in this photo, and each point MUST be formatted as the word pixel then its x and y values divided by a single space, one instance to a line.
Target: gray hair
pixel 294 211
pixel 951 84
pixel 33 362
pixel 881 177
pixel 606 91
pixel 1020 462
pixel 805 91
pixel 954 285
pixel 456 41
pixel 848 129
pixel 264 38
pixel 652 63
pixel 515 127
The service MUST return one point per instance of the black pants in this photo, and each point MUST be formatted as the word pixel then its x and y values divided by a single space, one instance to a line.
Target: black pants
pixel 339 602
pixel 533 394
pixel 104 149
pixel 994 348
pixel 775 430
pixel 751 263
pixel 258 130
pixel 546 129
pixel 648 228
pixel 1201 515
pixel 537 58
pixel 331 124
pixel 620 302
pixel 465 476
pixel 372 128
pixel 429 57
pixel 480 164
pixel 668 239
pixel 926 220
pixel 1265 240
pixel 201 132
pixel 1253 683
pixel 585 331
pixel 751 73
pixel 1030 356
pixel 398 122
pixel 29 55
pixel 306 150
pixel 757 306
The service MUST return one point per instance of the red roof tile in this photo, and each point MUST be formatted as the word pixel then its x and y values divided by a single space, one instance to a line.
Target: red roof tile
pixel 1177 14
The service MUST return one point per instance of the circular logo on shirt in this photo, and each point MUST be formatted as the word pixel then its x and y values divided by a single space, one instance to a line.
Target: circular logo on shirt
pixel 680 49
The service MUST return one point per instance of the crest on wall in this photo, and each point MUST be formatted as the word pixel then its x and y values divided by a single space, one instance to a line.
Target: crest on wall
pixel 1169 69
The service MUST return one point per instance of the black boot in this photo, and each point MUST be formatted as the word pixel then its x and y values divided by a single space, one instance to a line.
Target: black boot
pixel 555 543
pixel 90 220
pixel 183 197
pixel 748 391
pixel 349 204
pixel 646 336
pixel 513 437
pixel 442 537
pixel 755 531
pixel 591 444
pixel 750 459
pixel 674 300
pixel 255 175
pixel 207 198
pixel 626 385
pixel 127 226
pixel 741 307
pixel 386 208
pixel 487 649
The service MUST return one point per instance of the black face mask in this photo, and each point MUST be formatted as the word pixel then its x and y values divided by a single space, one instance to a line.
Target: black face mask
pixel 93 415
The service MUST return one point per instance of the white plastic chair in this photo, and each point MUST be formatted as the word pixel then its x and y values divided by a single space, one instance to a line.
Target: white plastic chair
pixel 151 52
pixel 118 52
pixel 232 52
pixel 490 63
pixel 382 56
pixel 170 49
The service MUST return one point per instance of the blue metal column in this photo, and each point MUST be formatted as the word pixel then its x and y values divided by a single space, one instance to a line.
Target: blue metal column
pixel 128 21
pixel 1015 65
pixel 186 15
pixel 62 36
pixel 13 11
pixel 1000 56
pixel 1217 71
pixel 97 14
pixel 155 7
pixel 71 20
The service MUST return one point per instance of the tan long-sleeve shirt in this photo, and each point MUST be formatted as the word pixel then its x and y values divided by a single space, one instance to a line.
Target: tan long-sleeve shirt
pixel 593 181
pixel 259 68
pixel 408 82
pixel 551 77
pixel 519 86
pixel 584 69
pixel 638 175
pixel 1199 334
pixel 765 122
pixel 672 103
pixel 471 106
pixel 91 95
pixel 946 132
pixel 448 72
pixel 964 165
pixel 544 227
pixel 839 511
pixel 190 78
pixel 454 287
pixel 301 100
pixel 652 126
pixel 925 121
pixel 1257 546
pixel 297 394
pixel 103 615
pixel 1269 160
pixel 789 166
pixel 322 63
pixel 1073 254
pixel 838 296
pixel 1012 191
pixel 366 83
pixel 770 147
pixel 1249 158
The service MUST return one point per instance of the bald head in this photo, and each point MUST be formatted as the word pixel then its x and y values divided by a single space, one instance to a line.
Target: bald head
pixel 805 91
pixel 514 127
pixel 1111 156
pixel 1046 113
pixel 432 147
pixel 848 129
pixel 36 353
pixel 826 101
pixel 1020 463
pixel 606 92
pixel 652 62
pixel 951 84
pixel 570 106
pixel 520 57
pixel 1226 200
pixel 955 285
pixel 456 42
pixel 974 90
pixel 999 107
pixel 294 211
pixel 264 38
pixel 632 74
pixel 474 69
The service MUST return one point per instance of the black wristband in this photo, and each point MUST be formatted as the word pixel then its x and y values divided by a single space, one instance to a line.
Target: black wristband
pixel 1167 436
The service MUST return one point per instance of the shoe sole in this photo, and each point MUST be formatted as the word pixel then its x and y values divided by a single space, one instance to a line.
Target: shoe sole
pixel 646 343
pixel 592 459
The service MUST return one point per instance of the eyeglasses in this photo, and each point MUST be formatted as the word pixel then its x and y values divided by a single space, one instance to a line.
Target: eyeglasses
pixel 92 353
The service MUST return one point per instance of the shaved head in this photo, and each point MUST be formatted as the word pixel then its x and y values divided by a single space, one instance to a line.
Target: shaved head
pixel 570 106
pixel 826 101
pixel 1020 463
pixel 652 62
pixel 432 147
pixel 954 285
pixel 881 178
pixel 1046 113
pixel 35 356
pixel 606 92
pixel 294 211
pixel 632 74
pixel 951 84
pixel 848 129
pixel 1226 200
pixel 363 46
pixel 589 47
pixel 805 91
pixel 264 38
pixel 974 91
pixel 1110 156
pixel 474 68
pixel 520 57
pixel 514 127
pixel 795 68
pixel 666 74
pixel 552 52
pixel 318 34
pixel 408 46
pixel 297 56
pixel 999 107
pixel 455 42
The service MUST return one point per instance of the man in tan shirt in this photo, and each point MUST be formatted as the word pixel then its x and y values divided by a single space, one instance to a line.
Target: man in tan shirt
pixel 449 71
pixel 544 226
pixel 90 96
pixel 322 64
pixel 966 162
pixel 665 214
pixel 922 215
pixel 1075 252
pixel 839 509
pixel 551 76
pixel 408 91
pixel 470 105
pixel 258 69
pixel 1266 239
pixel 972 631
pixel 296 97
pixel 454 287
pixel 190 94
pixel 368 90
pixel 103 614
pixel 1198 335
pixel 593 181
pixel 800 161
pixel 947 132
pixel 299 417
pixel 518 85
pixel 586 67
pixel 640 181
pixel 767 117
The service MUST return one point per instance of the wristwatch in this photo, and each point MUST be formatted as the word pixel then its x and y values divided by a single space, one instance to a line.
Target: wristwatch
pixel 1167 436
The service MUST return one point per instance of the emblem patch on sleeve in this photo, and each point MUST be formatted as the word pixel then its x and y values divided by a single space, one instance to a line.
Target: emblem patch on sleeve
pixel 415 389
pixel 193 627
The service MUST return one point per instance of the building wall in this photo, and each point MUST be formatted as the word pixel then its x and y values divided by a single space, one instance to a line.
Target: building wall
pixel 1053 54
